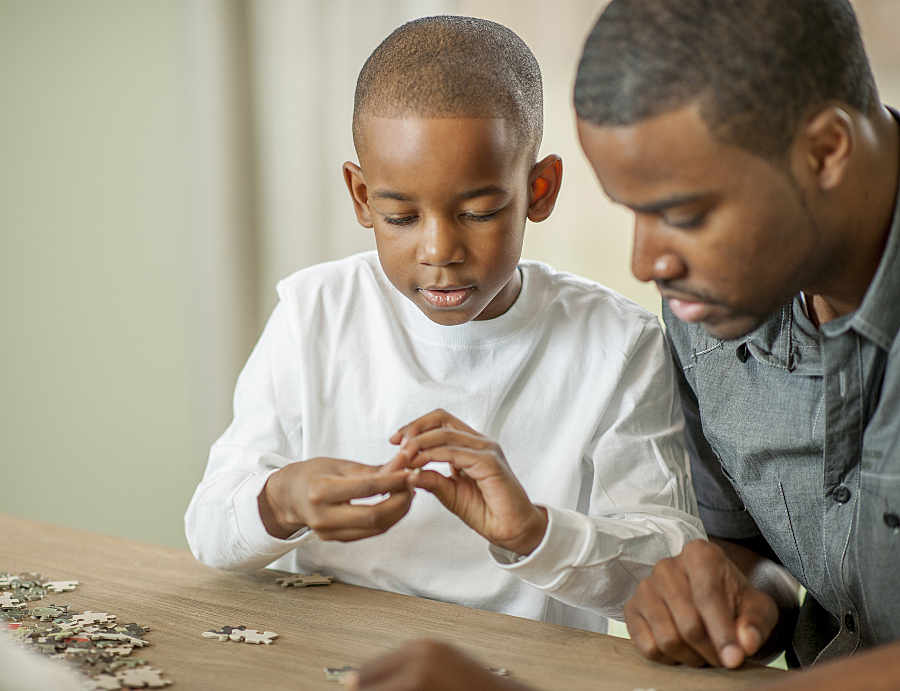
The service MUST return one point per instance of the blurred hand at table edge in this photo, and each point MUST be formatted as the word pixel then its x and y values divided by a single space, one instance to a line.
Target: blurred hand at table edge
pixel 428 665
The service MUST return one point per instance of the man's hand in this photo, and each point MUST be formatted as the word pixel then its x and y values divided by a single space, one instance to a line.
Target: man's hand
pixel 317 493
pixel 481 489
pixel 699 608
pixel 428 666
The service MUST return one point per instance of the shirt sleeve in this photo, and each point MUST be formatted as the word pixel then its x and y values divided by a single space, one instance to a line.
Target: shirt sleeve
pixel 642 506
pixel 721 509
pixel 222 523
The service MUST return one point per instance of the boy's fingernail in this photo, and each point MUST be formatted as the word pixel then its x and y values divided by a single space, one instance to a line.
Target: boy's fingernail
pixel 732 656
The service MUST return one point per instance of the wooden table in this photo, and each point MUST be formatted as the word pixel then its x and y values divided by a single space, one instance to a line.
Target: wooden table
pixel 317 627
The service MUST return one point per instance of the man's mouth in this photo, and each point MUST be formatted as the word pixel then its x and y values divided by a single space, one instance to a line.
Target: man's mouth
pixel 445 297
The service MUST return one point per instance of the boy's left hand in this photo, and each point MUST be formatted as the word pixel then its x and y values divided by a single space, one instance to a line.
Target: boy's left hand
pixel 481 489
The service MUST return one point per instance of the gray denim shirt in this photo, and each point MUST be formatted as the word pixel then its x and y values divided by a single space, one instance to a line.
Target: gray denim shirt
pixel 794 433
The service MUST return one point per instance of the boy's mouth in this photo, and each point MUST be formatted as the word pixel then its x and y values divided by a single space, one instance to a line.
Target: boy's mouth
pixel 446 297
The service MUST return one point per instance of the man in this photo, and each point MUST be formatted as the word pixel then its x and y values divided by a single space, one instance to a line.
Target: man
pixel 748 138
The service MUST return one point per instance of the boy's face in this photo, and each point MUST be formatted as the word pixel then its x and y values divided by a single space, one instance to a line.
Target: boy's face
pixel 447 199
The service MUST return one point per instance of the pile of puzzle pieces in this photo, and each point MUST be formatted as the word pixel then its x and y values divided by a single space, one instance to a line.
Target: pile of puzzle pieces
pixel 91 642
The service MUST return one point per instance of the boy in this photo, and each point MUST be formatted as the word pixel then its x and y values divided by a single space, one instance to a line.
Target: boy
pixel 571 380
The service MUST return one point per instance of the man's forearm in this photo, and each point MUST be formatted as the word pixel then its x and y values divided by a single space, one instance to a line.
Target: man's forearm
pixel 776 582
pixel 873 670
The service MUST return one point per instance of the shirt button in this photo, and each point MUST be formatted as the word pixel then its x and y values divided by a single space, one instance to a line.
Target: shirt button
pixel 842 495
pixel 849 623
pixel 892 520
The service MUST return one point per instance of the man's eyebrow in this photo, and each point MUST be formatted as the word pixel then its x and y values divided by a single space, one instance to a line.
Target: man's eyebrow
pixel 667 203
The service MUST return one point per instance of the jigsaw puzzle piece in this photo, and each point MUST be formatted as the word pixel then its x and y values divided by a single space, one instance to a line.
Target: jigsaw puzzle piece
pixel 254 636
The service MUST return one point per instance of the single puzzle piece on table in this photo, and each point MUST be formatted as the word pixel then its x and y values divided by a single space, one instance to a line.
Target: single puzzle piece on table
pixel 499 671
pixel 304 580
pixel 103 682
pixel 140 677
pixel 94 618
pixel 254 636
pixel 340 674
pixel 7 601
pixel 59 586
pixel 224 633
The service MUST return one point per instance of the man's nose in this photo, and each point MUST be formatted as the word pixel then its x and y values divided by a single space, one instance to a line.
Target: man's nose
pixel 652 257
pixel 441 244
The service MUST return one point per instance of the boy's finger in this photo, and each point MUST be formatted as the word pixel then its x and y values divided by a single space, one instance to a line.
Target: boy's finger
pixel 432 420
pixel 375 518
pixel 476 465
pixel 444 436
pixel 440 486
pixel 338 490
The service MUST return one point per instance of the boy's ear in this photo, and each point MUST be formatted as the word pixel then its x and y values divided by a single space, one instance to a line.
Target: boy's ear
pixel 359 193
pixel 545 179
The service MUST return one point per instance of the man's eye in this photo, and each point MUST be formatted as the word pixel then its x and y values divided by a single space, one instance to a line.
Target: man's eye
pixel 687 223
pixel 399 220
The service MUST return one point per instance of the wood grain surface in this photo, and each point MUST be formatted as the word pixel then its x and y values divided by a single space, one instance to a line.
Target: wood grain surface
pixel 332 626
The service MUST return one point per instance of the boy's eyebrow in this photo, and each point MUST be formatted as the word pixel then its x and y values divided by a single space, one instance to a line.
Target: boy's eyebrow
pixel 484 192
pixel 667 203
pixel 472 194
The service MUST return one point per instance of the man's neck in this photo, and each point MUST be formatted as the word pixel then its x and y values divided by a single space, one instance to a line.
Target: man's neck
pixel 868 224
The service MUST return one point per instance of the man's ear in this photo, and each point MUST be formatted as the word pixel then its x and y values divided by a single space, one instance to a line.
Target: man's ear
pixel 826 145
pixel 544 181
pixel 359 193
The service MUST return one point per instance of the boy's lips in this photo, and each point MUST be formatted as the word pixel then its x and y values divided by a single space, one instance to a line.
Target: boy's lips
pixel 451 296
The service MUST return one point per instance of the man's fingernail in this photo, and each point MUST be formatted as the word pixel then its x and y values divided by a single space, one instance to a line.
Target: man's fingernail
pixel 732 656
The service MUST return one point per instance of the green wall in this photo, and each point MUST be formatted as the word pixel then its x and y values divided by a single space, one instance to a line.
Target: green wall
pixel 96 409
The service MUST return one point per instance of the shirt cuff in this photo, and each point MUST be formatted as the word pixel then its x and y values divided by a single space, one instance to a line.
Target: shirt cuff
pixel 565 544
pixel 251 528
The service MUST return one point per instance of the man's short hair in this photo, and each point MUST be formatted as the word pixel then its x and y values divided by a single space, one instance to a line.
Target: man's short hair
pixel 450 66
pixel 755 68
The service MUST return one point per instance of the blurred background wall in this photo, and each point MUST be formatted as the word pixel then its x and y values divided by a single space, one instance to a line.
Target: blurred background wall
pixel 162 164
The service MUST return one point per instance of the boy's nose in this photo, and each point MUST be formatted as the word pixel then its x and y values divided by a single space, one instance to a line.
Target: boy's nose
pixel 441 245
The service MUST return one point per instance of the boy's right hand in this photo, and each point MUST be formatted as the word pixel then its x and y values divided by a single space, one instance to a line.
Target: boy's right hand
pixel 317 493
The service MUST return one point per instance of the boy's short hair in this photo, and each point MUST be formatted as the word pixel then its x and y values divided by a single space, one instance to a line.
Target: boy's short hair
pixel 755 68
pixel 450 66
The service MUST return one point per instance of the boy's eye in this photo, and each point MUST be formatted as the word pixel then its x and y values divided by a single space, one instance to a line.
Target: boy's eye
pixel 479 218
pixel 398 220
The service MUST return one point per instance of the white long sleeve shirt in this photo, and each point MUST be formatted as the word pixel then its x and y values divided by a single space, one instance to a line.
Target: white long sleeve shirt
pixel 573 381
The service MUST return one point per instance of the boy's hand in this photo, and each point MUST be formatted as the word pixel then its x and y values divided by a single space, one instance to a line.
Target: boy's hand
pixel 428 666
pixel 481 489
pixel 317 493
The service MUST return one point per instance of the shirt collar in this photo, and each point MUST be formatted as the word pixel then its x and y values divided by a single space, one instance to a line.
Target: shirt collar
pixel 878 317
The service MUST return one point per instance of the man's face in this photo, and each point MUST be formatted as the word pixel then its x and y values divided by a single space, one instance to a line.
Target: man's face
pixel 448 199
pixel 724 234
